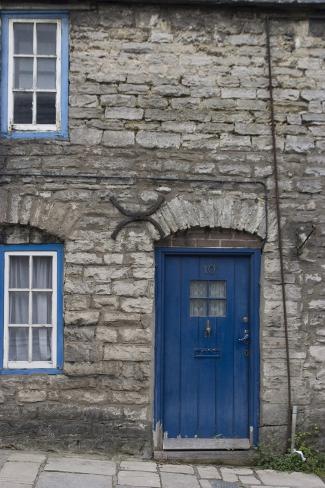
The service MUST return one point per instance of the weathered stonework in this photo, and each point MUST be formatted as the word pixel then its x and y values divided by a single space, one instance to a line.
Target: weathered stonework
pixel 178 95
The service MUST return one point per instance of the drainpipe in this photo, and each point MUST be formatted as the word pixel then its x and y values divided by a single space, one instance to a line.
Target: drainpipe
pixel 279 228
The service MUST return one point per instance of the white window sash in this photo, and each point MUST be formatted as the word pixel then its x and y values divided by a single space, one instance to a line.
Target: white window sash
pixel 34 127
pixel 31 364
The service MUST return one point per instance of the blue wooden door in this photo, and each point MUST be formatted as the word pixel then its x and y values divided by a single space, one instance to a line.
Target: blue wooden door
pixel 206 346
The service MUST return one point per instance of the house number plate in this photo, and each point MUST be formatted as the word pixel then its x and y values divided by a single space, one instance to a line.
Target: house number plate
pixel 209 268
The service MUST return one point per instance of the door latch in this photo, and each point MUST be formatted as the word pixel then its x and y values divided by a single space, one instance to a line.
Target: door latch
pixel 245 338
pixel 208 329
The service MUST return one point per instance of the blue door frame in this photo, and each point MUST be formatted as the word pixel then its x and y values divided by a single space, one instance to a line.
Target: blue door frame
pixel 254 298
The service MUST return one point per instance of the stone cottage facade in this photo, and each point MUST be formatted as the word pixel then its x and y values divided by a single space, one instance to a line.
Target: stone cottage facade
pixel 167 155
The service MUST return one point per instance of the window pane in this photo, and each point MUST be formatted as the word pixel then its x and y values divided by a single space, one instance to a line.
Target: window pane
pixel 18 307
pixel 46 108
pixel 217 289
pixel 42 307
pixel 42 272
pixel 198 308
pixel 23 108
pixel 41 344
pixel 46 39
pixel 217 308
pixel 23 73
pixel 198 289
pixel 18 343
pixel 46 74
pixel 19 272
pixel 23 38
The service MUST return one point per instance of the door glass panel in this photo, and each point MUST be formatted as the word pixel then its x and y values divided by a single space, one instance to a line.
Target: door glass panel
pixel 18 343
pixel 217 308
pixel 217 289
pixel 198 289
pixel 19 272
pixel 23 38
pixel 198 308
pixel 207 298
pixel 41 343
pixel 18 307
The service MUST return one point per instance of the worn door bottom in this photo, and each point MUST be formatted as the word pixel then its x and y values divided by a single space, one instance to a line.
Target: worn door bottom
pixel 205 444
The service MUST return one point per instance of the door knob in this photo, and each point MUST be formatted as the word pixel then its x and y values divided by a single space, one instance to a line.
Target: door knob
pixel 245 338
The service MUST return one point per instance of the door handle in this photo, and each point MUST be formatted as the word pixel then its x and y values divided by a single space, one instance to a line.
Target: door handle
pixel 245 338
pixel 208 329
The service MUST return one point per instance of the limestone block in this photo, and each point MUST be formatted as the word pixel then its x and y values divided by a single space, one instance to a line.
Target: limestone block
pixel 86 136
pixel 81 317
pixel 123 352
pixel 114 138
pixel 127 113
pixel 135 335
pixel 317 353
pixel 118 100
pixel 106 334
pixel 130 289
pixel 31 396
pixel 299 144
pixel 143 305
pixel 161 140
pixel 238 93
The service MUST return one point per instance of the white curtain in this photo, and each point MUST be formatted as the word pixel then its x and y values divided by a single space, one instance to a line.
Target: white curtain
pixel 41 302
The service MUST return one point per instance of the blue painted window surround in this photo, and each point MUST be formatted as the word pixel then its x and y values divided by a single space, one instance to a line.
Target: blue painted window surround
pixel 31 309
pixel 36 91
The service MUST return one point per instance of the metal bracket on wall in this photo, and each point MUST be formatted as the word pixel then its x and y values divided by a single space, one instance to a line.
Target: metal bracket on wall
pixel 144 216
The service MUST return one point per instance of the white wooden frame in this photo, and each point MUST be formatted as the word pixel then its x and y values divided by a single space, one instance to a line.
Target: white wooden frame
pixel 31 364
pixel 34 127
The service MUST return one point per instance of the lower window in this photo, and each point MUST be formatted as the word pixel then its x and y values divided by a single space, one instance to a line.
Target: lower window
pixel 32 311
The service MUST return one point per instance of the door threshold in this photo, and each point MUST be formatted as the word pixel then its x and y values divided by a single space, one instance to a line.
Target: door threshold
pixel 205 444
pixel 227 457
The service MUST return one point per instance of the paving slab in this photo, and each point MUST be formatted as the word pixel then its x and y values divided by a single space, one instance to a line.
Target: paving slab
pixel 176 480
pixel 294 480
pixel 177 468
pixel 19 472
pixel 13 484
pixel 73 480
pixel 29 457
pixel 138 466
pixel 249 480
pixel 224 484
pixel 205 484
pixel 208 472
pixel 138 479
pixel 80 465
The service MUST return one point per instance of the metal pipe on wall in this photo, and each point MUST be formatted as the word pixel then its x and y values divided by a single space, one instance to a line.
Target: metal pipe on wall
pixel 279 228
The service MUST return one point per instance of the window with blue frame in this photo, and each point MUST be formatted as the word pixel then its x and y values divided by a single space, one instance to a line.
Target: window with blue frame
pixel 31 318
pixel 34 93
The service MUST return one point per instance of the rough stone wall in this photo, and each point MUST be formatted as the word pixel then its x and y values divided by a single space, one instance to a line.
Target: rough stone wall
pixel 174 93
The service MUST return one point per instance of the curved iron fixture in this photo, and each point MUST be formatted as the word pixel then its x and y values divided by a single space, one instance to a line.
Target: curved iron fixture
pixel 143 216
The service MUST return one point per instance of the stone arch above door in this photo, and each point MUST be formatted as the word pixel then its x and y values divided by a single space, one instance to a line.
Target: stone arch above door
pixel 207 238
pixel 225 211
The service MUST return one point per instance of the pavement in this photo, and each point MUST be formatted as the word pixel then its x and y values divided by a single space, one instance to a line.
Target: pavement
pixel 30 469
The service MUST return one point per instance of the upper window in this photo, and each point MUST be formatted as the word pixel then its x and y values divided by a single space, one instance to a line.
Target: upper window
pixel 32 308
pixel 34 92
